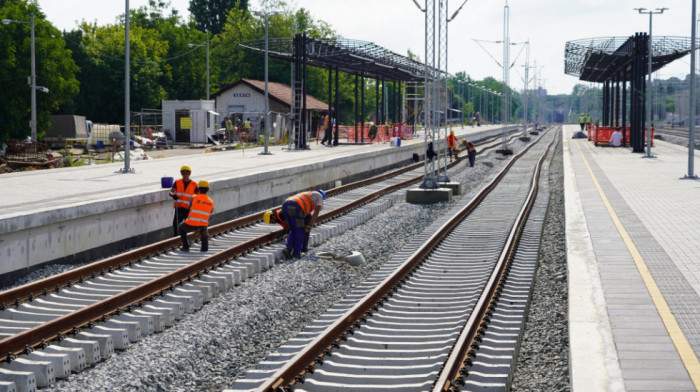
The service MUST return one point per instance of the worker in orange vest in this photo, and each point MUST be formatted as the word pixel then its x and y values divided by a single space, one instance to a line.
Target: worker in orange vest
pixel 197 220
pixel 182 191
pixel 298 213
pixel 452 144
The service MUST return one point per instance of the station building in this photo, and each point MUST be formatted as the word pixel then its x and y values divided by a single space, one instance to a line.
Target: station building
pixel 245 99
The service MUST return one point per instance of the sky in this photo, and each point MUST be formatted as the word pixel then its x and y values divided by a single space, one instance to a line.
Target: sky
pixel 398 25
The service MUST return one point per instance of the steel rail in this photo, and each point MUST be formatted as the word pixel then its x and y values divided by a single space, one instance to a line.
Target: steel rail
pixel 52 329
pixel 316 349
pixel 16 295
pixel 451 372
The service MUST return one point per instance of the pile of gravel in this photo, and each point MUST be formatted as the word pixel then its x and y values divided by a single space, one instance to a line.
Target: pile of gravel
pixel 543 363
pixel 209 349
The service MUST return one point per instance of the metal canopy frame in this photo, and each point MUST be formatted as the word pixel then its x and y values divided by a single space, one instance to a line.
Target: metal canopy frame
pixel 599 59
pixel 350 56
pixel 615 61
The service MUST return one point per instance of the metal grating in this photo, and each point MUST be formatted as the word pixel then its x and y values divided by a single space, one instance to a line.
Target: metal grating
pixel 354 57
pixel 597 59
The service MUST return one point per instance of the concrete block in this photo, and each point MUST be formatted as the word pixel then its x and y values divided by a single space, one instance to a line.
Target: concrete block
pixel 167 312
pixel 220 281
pixel 204 287
pixel 252 264
pixel 91 348
pixel 7 386
pixel 133 328
pixel 226 278
pixel 61 362
pixel 145 321
pixel 455 186
pixel 239 273
pixel 120 336
pixel 187 302
pixel 43 370
pixel 76 355
pixel 196 295
pixel 428 196
pixel 104 341
pixel 177 307
pixel 23 381
pixel 157 317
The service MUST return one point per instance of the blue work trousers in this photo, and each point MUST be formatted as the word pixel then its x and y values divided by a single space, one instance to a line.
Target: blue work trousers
pixel 298 239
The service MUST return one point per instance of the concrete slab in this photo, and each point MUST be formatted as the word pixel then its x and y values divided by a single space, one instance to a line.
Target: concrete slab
pixel 628 241
pixel 428 196
pixel 455 186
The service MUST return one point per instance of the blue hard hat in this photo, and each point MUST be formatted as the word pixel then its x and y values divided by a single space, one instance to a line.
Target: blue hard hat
pixel 322 193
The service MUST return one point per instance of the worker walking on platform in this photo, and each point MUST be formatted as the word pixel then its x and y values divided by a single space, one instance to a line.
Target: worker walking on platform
pixel 582 121
pixel 588 121
pixel 183 190
pixel 201 208
pixel 298 213
pixel 452 144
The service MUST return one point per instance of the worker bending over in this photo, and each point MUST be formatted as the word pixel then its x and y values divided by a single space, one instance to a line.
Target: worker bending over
pixel 298 213
pixel 182 191
pixel 197 220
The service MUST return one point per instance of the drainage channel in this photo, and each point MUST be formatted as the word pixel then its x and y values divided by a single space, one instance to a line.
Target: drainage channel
pixel 402 343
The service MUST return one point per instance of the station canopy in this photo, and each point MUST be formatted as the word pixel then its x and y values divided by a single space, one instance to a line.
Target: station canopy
pixel 598 59
pixel 350 56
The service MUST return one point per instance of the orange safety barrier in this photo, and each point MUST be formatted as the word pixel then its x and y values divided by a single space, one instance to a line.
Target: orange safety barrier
pixel 384 133
pixel 600 135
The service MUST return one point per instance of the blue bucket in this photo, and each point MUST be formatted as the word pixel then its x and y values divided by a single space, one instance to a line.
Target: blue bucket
pixel 398 142
pixel 166 182
pixel 100 144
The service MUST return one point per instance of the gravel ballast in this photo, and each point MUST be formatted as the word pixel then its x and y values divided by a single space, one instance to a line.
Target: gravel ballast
pixel 209 349
pixel 543 363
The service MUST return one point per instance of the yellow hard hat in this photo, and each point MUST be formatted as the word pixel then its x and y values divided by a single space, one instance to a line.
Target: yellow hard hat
pixel 266 216
pixel 203 184
pixel 185 167
pixel 464 141
pixel 452 132
pixel 583 114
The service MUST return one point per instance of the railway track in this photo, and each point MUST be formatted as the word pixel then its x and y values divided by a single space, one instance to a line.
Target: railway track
pixel 88 312
pixel 404 328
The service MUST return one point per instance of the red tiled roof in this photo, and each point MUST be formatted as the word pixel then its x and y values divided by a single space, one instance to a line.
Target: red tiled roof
pixel 280 92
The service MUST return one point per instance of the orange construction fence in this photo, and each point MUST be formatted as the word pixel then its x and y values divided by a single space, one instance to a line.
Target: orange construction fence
pixel 384 133
pixel 600 135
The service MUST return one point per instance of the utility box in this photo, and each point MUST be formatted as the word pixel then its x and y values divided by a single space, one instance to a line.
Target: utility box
pixel 66 127
pixel 190 121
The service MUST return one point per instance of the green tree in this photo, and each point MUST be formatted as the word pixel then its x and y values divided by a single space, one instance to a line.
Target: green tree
pixel 211 15
pixel 55 70
pixel 101 60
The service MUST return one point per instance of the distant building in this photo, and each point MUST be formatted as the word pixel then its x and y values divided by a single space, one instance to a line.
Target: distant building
pixel 245 99
pixel 189 121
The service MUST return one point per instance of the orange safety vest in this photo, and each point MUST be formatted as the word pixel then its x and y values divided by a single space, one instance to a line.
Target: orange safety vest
pixel 305 201
pixel 200 211
pixel 184 195
pixel 451 141
pixel 281 221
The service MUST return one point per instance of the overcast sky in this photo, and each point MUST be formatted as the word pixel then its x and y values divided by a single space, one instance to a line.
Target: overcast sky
pixel 398 25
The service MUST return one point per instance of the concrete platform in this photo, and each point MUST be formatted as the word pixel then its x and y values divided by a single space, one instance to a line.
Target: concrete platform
pixel 634 273
pixel 79 214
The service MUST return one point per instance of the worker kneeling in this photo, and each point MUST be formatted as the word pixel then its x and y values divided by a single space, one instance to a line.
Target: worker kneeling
pixel 298 213
pixel 201 208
